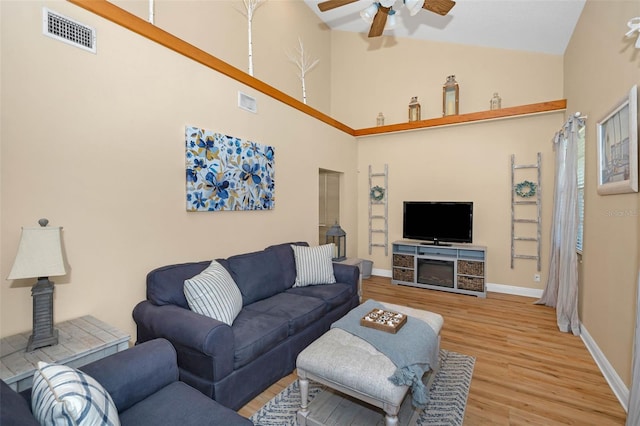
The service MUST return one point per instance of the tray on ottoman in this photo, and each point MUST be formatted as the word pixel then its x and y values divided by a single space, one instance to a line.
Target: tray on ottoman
pixel 384 320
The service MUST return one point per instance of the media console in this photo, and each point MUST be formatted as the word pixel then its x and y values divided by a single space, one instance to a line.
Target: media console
pixel 458 268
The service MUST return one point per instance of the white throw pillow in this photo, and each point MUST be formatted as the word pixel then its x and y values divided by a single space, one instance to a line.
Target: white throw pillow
pixel 62 395
pixel 314 265
pixel 214 293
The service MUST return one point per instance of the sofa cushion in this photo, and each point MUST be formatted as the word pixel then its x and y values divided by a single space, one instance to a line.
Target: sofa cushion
pixel 165 284
pixel 333 295
pixel 258 275
pixel 284 252
pixel 214 293
pixel 179 403
pixel 313 265
pixel 254 333
pixel 62 395
pixel 300 311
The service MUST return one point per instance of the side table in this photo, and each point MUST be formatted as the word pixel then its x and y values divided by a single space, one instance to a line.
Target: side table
pixel 355 262
pixel 80 341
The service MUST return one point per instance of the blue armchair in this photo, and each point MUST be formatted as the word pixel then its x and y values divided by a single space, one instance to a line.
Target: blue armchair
pixel 143 383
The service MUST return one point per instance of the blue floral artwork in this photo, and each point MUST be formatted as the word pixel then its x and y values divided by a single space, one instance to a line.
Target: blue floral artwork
pixel 228 173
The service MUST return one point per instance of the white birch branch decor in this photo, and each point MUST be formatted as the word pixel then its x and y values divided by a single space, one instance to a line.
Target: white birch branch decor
pixel 304 64
pixel 250 9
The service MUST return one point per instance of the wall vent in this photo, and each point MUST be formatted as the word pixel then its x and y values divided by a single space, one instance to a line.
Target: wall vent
pixel 67 30
pixel 248 103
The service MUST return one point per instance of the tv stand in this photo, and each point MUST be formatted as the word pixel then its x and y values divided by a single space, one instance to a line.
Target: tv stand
pixel 456 268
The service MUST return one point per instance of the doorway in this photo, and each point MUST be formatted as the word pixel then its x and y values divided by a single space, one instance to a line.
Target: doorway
pixel 329 202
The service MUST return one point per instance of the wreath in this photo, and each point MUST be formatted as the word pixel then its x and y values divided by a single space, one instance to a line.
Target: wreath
pixel 526 189
pixel 377 193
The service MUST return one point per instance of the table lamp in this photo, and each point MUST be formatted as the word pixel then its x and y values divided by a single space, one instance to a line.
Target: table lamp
pixel 40 256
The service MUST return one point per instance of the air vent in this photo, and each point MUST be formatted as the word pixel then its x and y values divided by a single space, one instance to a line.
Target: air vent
pixel 247 102
pixel 67 30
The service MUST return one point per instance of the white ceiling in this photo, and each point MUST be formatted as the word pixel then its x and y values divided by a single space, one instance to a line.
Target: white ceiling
pixel 531 25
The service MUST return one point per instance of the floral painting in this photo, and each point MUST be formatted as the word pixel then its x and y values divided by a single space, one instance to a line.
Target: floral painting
pixel 228 173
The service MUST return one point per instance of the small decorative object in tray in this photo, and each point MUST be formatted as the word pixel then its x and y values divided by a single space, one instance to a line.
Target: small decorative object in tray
pixel 384 320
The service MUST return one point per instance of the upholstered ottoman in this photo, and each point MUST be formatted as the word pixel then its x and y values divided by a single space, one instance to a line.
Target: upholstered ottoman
pixel 352 366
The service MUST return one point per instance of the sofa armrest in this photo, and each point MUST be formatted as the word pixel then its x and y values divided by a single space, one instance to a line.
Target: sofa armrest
pixel 198 339
pixel 134 374
pixel 348 274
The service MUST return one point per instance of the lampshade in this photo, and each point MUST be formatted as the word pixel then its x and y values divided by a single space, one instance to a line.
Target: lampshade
pixel 39 254
pixel 369 13
pixel 413 6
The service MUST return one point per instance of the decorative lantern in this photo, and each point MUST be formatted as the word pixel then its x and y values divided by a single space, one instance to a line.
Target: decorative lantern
pixel 450 94
pixel 338 237
pixel 496 102
pixel 414 110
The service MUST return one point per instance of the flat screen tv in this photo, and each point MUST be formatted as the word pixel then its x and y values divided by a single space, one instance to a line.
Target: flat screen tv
pixel 438 222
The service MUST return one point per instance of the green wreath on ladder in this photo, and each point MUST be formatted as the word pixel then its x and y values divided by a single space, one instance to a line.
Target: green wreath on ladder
pixel 526 189
pixel 377 193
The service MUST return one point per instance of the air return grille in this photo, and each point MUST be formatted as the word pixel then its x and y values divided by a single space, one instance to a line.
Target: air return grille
pixel 67 30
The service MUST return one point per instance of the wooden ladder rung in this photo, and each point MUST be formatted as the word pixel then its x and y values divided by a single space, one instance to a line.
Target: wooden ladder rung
pixel 525 238
pixel 526 166
pixel 377 230
pixel 526 220
pixel 378 245
pixel 525 202
pixel 378 217
pixel 524 256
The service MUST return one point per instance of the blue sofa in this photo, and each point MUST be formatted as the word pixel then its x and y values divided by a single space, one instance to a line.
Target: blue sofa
pixel 143 383
pixel 233 364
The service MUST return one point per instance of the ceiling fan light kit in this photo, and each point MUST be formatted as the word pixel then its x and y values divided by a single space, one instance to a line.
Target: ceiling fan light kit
pixel 450 96
pixel 413 6
pixel 381 15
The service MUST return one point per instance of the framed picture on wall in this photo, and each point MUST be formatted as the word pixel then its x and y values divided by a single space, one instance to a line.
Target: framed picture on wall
pixel 618 147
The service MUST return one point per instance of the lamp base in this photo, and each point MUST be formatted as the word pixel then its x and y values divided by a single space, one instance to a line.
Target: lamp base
pixel 36 342
pixel 43 332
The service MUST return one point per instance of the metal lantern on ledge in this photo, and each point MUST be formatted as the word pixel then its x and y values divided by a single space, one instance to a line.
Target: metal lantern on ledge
pixel 450 96
pixel 338 237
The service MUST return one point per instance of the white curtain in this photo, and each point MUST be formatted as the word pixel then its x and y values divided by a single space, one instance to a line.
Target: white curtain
pixel 633 417
pixel 561 291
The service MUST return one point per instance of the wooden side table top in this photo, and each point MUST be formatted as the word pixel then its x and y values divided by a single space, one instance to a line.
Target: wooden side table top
pixel 80 341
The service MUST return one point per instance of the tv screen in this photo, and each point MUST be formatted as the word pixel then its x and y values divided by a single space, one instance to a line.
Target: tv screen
pixel 438 221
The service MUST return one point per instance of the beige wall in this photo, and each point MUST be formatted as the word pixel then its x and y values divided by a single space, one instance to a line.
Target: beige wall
pixel 95 143
pixel 469 162
pixel 600 68
pixel 381 75
pixel 220 27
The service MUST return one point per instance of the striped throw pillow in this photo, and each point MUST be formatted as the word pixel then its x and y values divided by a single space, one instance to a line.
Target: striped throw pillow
pixel 214 293
pixel 62 395
pixel 314 265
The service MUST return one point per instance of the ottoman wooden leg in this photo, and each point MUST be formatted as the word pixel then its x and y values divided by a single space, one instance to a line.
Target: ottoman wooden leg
pixel 304 395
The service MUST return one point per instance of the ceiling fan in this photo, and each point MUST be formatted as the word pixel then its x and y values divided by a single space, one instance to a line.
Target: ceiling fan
pixel 378 13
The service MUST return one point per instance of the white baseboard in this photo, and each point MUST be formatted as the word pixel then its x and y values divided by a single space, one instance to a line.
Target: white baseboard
pixel 517 291
pixel 498 288
pixel 616 384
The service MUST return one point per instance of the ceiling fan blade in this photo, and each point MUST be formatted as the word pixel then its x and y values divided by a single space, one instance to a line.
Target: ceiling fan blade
pixel 441 7
pixel 379 21
pixel 332 4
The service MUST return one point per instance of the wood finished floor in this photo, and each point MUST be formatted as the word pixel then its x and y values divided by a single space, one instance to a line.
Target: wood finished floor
pixel 526 371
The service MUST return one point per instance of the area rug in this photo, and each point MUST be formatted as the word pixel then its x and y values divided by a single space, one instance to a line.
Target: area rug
pixel 447 401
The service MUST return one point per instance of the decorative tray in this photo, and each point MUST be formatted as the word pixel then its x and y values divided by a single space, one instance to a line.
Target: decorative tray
pixel 384 320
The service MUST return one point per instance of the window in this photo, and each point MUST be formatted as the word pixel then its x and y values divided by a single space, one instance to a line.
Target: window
pixel 581 164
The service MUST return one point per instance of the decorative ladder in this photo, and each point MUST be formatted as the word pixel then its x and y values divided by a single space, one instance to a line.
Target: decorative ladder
pixel 375 217
pixel 515 219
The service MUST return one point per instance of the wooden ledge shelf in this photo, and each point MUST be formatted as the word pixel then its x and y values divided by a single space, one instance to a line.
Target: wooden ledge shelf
pixel 538 108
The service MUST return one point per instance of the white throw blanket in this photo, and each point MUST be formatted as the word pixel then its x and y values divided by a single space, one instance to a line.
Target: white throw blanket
pixel 413 349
